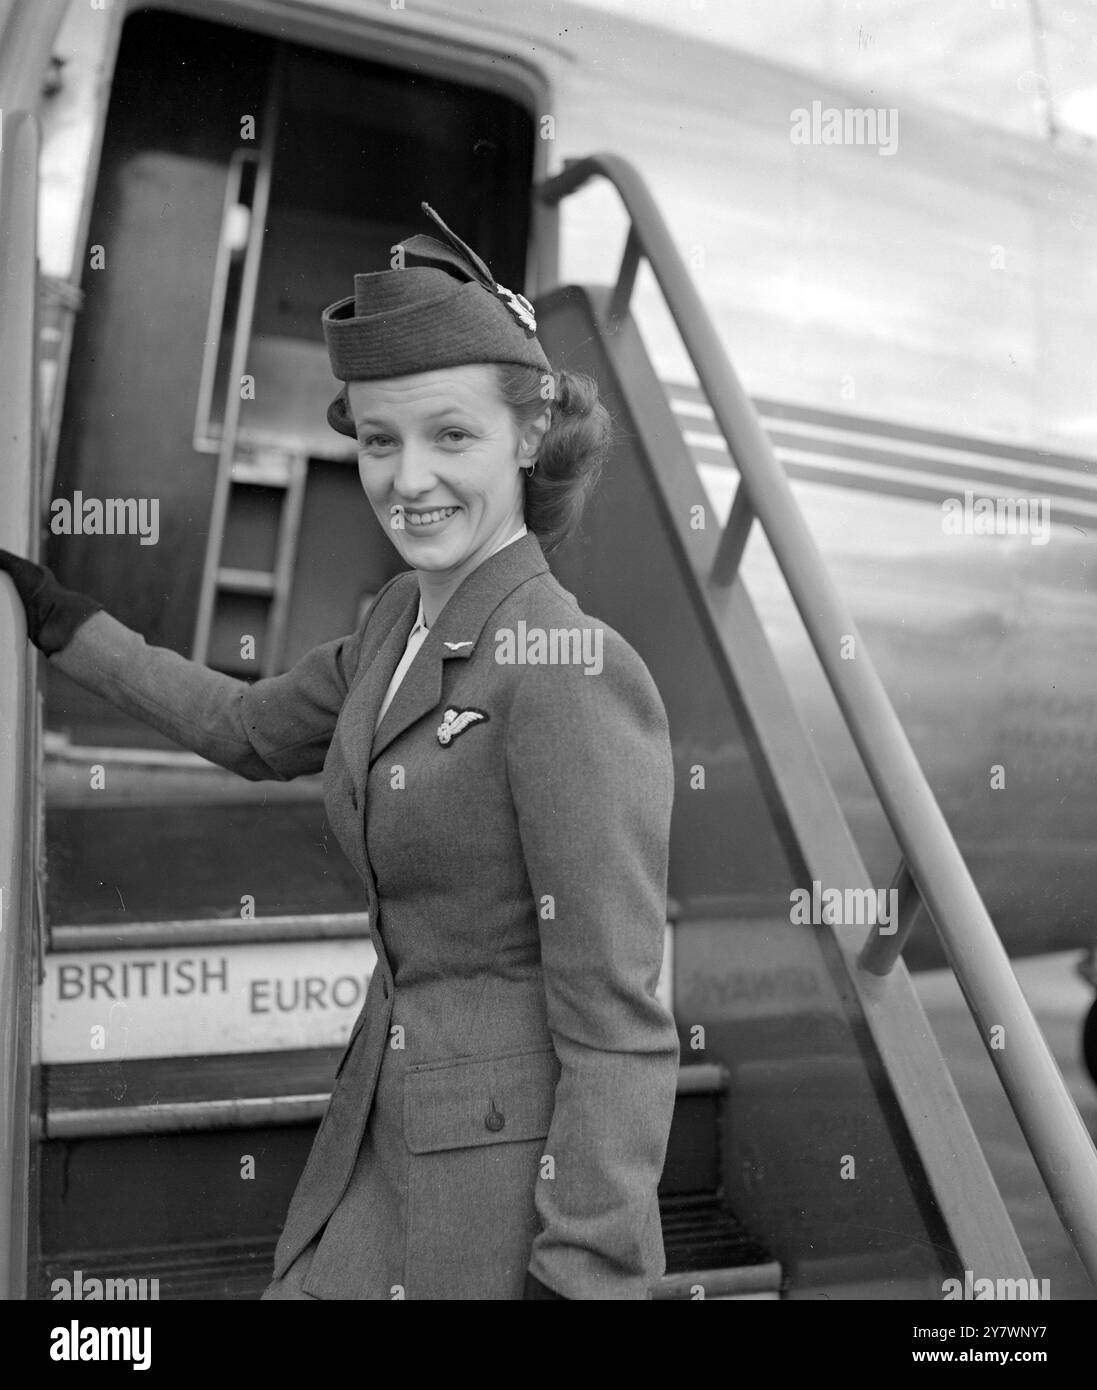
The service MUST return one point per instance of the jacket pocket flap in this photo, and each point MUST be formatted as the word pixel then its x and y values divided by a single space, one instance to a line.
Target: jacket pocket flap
pixel 495 1100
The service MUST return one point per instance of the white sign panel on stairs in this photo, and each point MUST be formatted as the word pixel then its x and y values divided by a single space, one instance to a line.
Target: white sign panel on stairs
pixel 190 1001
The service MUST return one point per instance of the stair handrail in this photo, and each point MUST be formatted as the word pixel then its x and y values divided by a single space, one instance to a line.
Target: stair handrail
pixel 1050 1121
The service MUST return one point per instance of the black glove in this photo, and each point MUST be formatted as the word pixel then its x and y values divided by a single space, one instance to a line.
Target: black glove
pixel 53 613
pixel 535 1289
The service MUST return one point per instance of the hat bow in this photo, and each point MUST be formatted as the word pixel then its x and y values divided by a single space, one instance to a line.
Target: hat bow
pixel 456 255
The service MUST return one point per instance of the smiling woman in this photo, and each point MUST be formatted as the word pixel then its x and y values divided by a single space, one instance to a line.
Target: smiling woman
pixel 492 402
pixel 437 456
pixel 500 1115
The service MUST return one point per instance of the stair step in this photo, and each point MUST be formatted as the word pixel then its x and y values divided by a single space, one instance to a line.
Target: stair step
pixel 165 864
pixel 761 1281
pixel 238 581
pixel 236 1090
pixel 208 931
pixel 702 1232
pixel 231 1270
pixel 264 470
pixel 240 1270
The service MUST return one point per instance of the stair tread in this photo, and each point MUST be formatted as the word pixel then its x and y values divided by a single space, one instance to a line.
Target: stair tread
pixel 703 1233
pixel 144 1081
pixel 241 1267
pixel 246 581
pixel 177 1080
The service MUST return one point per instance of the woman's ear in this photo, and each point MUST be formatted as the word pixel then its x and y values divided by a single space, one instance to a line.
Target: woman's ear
pixel 529 441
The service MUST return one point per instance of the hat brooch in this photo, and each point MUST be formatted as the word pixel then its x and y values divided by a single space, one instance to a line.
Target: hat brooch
pixel 519 306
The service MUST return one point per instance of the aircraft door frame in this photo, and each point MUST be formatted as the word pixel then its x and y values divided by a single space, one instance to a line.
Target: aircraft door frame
pixel 27 36
pixel 488 63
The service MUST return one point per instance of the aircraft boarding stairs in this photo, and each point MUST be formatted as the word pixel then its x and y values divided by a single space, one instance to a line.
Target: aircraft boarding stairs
pixel 819 1145
pixel 117 1134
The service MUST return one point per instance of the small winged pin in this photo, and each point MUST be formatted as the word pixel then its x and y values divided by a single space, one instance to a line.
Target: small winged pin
pixel 456 722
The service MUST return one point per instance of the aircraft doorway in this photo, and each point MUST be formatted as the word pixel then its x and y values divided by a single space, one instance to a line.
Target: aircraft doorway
pixel 225 235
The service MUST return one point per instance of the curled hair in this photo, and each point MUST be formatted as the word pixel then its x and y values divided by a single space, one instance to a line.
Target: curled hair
pixel 572 451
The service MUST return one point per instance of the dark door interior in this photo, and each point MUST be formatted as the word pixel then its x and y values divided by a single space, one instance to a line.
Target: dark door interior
pixel 353 148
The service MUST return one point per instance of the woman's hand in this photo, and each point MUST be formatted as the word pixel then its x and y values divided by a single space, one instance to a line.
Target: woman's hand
pixel 53 613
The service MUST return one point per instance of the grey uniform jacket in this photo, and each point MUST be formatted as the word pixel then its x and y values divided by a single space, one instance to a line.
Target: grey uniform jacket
pixel 506 1095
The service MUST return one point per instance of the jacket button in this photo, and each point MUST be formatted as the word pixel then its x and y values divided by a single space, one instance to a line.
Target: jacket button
pixel 354 800
pixel 385 988
pixel 494 1120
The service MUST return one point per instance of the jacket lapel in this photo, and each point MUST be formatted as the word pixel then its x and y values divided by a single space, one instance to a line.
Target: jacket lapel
pixel 455 636
pixel 378 662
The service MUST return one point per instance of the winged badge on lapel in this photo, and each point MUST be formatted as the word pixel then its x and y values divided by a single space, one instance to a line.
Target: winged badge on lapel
pixel 456 721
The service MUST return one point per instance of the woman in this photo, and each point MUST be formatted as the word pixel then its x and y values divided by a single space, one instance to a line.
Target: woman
pixel 497 767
